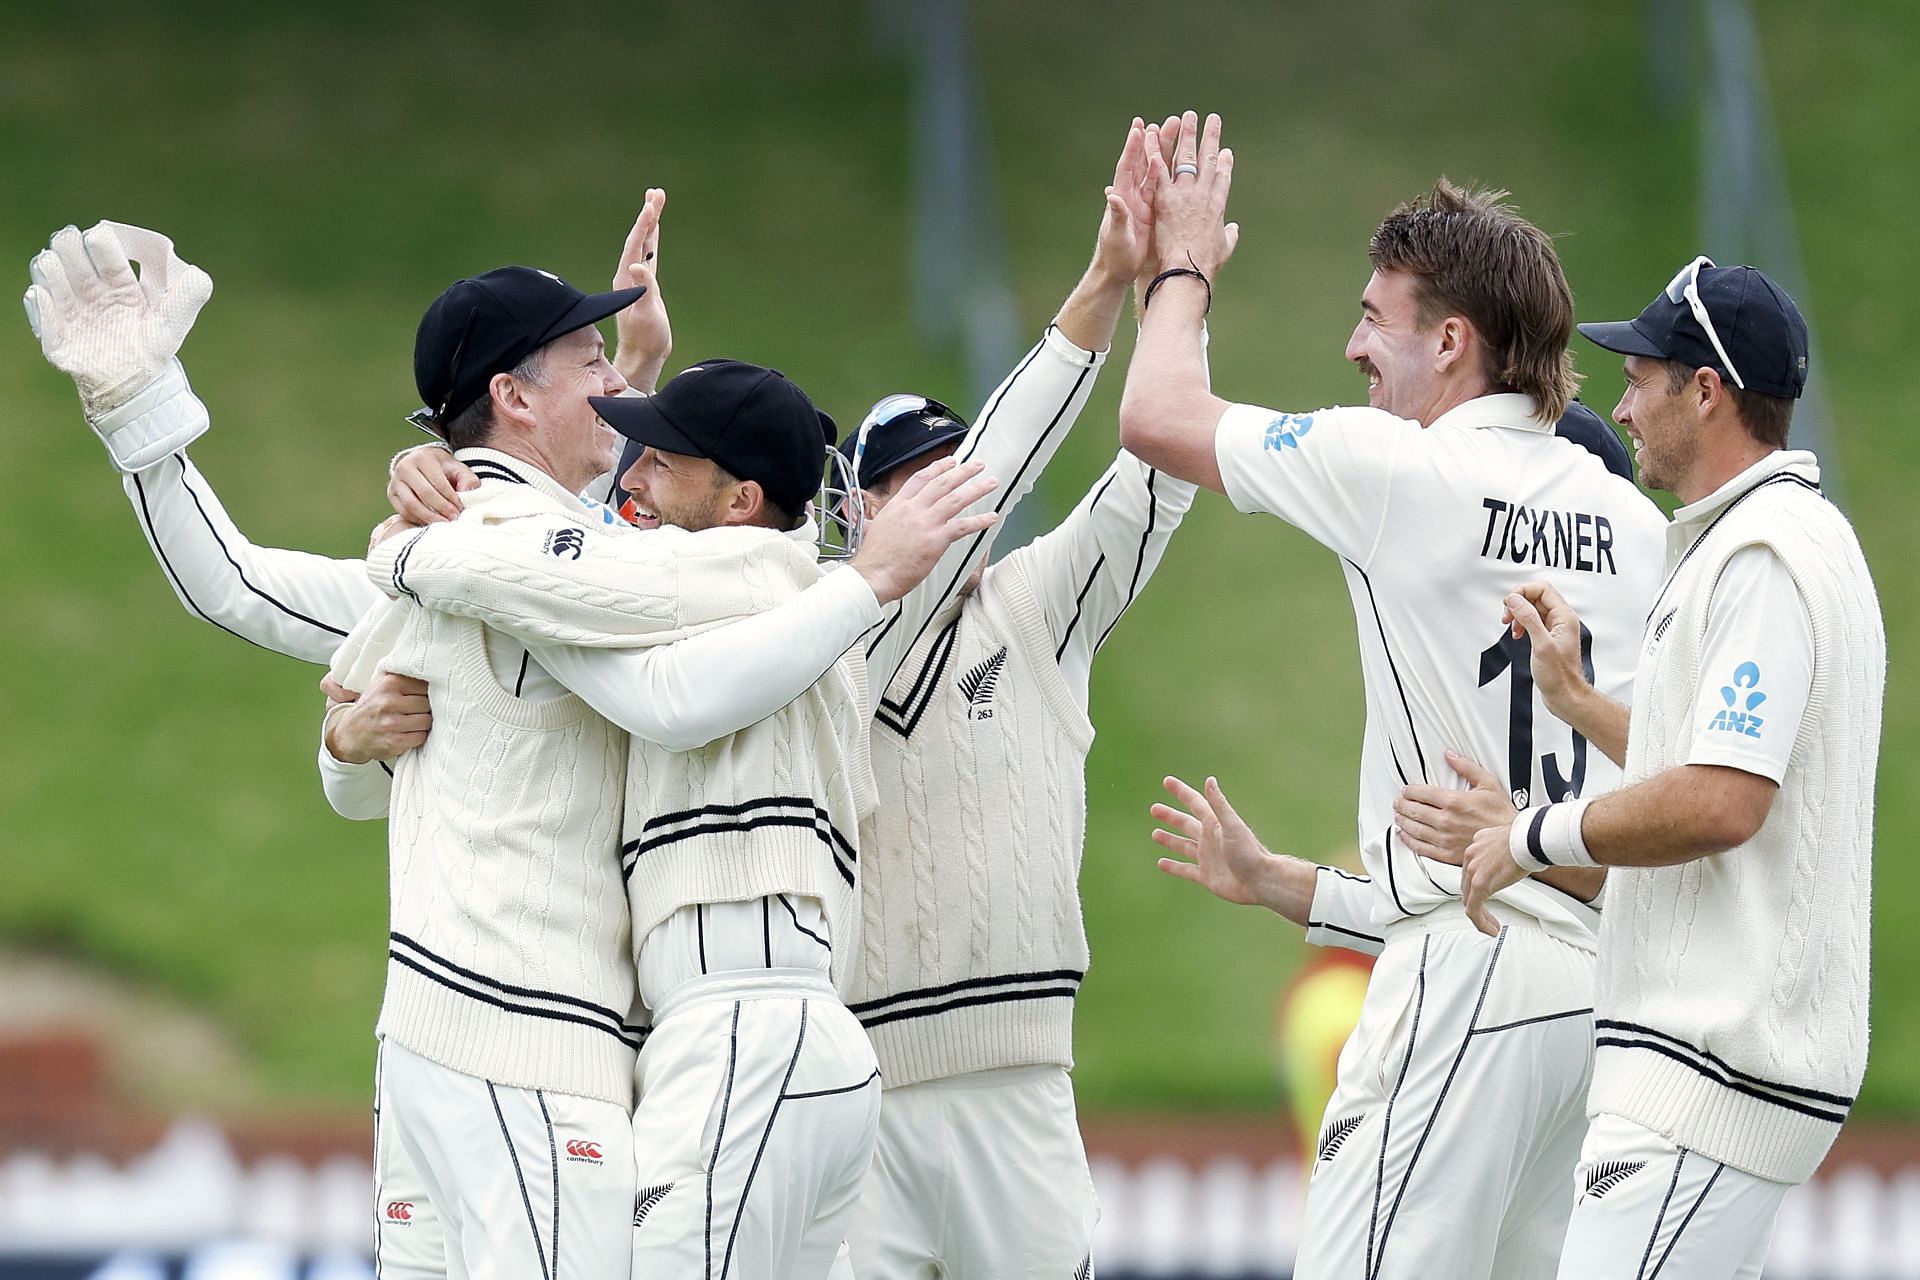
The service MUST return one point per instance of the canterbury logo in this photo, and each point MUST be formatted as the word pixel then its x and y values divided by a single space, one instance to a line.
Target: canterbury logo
pixel 1604 1177
pixel 1336 1134
pixel 400 1210
pixel 978 684
pixel 581 1149
pixel 648 1197
pixel 565 543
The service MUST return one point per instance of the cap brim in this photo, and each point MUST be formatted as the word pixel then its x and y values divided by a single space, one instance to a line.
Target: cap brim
pixel 592 309
pixel 639 419
pixel 1622 336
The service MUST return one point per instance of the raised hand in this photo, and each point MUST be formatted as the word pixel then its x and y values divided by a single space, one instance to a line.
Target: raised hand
pixel 112 331
pixel 1217 851
pixel 1190 199
pixel 1126 228
pixel 928 514
pixel 1440 822
pixel 644 338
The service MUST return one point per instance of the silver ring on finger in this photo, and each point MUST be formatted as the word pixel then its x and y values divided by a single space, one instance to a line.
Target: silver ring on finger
pixel 1186 167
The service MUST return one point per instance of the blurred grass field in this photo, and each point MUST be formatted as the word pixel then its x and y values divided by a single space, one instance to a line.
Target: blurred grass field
pixel 334 166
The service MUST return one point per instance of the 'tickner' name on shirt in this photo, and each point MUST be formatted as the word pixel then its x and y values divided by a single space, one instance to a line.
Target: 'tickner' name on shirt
pixel 1552 539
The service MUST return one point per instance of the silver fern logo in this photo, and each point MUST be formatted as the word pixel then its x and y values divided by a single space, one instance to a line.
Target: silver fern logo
pixel 977 685
pixel 1604 1177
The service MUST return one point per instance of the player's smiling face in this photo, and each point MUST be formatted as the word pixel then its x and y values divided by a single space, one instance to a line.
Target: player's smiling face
pixel 675 489
pixel 1660 422
pixel 579 446
pixel 1393 350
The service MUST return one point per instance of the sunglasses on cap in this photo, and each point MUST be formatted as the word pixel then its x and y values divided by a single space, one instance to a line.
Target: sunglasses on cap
pixel 1685 287
pixel 891 410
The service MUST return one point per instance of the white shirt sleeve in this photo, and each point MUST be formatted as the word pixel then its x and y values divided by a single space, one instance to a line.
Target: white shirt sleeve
pixel 1329 473
pixel 1088 570
pixel 1342 912
pixel 292 602
pixel 1756 667
pixel 687 693
pixel 1018 431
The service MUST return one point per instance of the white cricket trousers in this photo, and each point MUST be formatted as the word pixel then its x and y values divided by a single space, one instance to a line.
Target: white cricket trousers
pixel 1645 1208
pixel 978 1177
pixel 1458 1109
pixel 475 1180
pixel 759 1104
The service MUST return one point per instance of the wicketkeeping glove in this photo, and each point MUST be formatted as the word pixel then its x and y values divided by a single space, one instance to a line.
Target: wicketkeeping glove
pixel 117 334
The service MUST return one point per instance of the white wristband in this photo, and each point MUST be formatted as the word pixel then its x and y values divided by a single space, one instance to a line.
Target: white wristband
pixel 1549 835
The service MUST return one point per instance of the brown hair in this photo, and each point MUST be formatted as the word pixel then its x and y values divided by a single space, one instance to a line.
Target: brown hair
pixel 472 427
pixel 1767 418
pixel 1474 257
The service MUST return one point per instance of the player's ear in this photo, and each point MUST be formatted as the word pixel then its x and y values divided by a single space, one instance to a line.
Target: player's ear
pixel 747 505
pixel 1453 341
pixel 510 402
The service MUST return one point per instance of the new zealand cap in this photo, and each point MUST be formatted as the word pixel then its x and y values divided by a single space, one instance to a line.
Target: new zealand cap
pixel 489 323
pixel 753 422
pixel 1763 332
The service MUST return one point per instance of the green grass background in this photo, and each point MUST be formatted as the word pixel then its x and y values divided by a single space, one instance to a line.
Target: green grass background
pixel 334 165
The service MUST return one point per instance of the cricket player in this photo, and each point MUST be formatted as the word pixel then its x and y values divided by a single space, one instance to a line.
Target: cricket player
pixel 758 1093
pixel 1734 953
pixel 1443 493
pixel 112 331
pixel 972 947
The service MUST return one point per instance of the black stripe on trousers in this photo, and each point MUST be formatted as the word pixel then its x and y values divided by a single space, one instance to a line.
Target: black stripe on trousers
pixel 740 1210
pixel 520 1177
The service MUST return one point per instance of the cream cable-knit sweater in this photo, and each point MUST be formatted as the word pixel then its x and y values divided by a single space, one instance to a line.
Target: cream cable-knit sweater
pixel 1731 1013
pixel 510 955
pixel 772 809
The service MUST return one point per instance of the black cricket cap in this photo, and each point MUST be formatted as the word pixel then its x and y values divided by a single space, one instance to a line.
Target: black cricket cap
pixel 1764 334
pixel 754 422
pixel 899 429
pixel 1585 428
pixel 489 323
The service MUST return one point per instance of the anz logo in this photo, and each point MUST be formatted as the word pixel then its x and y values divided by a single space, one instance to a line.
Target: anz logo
pixel 1742 698
pixel 1285 431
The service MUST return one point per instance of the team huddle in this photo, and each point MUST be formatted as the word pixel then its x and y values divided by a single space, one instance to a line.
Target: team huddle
pixel 736 802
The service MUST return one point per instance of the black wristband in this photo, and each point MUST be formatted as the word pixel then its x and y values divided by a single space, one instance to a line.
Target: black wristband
pixel 1146 299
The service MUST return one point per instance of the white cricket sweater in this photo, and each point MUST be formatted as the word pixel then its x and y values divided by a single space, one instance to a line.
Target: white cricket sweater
pixel 510 955
pixel 972 944
pixel 1731 1013
pixel 769 810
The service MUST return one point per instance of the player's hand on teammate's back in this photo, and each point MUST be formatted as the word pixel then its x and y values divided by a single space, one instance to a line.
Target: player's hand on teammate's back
pixel 928 515
pixel 426 485
pixel 1538 611
pixel 390 719
pixel 644 338
pixel 1487 869
pixel 109 330
pixel 1440 822
pixel 1190 199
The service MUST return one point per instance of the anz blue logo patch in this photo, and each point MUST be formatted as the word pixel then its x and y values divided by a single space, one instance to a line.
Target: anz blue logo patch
pixel 1743 698
pixel 1284 432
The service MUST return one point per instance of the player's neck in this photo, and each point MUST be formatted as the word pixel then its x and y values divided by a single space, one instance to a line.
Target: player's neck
pixel 1449 396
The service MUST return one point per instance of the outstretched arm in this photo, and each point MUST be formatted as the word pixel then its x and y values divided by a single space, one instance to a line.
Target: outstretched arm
pixel 1216 849
pixel 1027 418
pixel 1168 412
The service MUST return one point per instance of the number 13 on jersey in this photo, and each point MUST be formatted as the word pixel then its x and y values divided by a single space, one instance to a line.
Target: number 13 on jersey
pixel 1514 657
